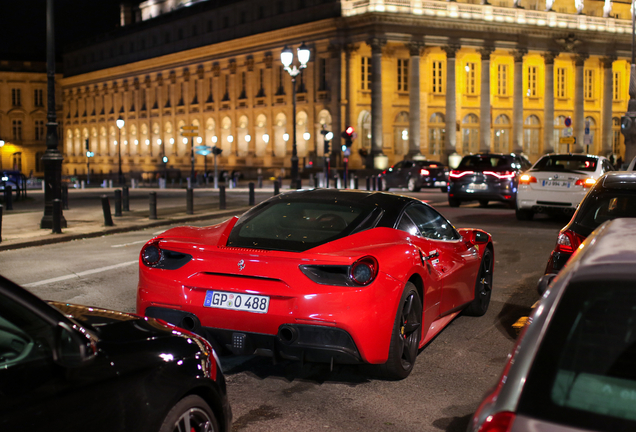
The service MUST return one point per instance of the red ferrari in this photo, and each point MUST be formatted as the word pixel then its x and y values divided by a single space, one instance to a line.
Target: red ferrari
pixel 320 275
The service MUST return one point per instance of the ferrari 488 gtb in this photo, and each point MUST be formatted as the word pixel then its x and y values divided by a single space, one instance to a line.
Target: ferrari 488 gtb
pixel 320 275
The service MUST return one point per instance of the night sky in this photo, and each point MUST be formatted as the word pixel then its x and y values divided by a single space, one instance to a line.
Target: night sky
pixel 24 25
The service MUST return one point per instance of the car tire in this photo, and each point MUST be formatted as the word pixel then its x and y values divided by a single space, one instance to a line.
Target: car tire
pixel 483 203
pixel 443 189
pixel 412 185
pixel 483 287
pixel 453 202
pixel 524 214
pixel 406 335
pixel 191 409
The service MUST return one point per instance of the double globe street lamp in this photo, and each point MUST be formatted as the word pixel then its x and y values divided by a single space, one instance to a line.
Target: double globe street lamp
pixel 286 58
pixel 120 124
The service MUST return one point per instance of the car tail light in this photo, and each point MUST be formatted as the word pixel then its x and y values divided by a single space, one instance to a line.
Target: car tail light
pixel 364 271
pixel 433 166
pixel 455 174
pixel 151 254
pixel 499 422
pixel 586 183
pixel 154 256
pixel 568 241
pixel 424 172
pixel 527 179
pixel 505 175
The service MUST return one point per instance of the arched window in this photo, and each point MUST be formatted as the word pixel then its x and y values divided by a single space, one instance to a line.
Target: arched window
pixel 226 136
pixel 301 130
pixel 280 136
pixel 470 134
pixel 502 134
pixel 261 135
pixel 436 134
pixel 210 138
pixel 169 139
pixel 531 133
pixel 401 133
pixel 364 126
pixel 242 146
pixel 324 122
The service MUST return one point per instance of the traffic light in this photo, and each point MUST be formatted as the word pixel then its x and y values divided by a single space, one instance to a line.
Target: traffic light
pixel 86 143
pixel 216 151
pixel 328 136
pixel 165 159
pixel 327 147
pixel 349 135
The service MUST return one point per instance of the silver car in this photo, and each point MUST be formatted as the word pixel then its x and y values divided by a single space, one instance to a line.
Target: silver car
pixel 574 365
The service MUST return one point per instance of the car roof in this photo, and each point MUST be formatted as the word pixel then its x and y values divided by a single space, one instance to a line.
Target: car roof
pixel 618 180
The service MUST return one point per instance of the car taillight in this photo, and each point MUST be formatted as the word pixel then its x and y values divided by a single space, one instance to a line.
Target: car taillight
pixel 424 172
pixel 586 183
pixel 568 241
pixel 151 254
pixel 455 174
pixel 364 271
pixel 505 175
pixel 499 422
pixel 527 179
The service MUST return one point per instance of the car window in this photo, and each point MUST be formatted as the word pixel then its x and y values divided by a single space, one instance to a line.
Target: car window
pixel 406 224
pixel 397 166
pixel 566 163
pixel 430 223
pixel 407 164
pixel 604 206
pixel 24 336
pixel 483 162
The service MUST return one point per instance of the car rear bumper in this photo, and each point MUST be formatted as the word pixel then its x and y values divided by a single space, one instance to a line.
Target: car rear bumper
pixel 548 201
pixel 493 192
pixel 556 262
pixel 297 342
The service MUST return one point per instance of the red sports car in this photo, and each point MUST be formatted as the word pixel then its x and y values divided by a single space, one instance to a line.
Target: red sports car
pixel 320 275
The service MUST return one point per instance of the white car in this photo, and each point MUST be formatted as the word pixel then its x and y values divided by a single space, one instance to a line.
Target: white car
pixel 557 183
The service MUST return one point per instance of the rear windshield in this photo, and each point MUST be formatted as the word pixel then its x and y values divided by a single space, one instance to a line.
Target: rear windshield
pixel 566 163
pixel 584 374
pixel 484 162
pixel 297 225
pixel 605 205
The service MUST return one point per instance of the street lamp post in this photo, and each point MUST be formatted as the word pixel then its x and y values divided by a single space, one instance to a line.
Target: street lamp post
pixel 120 124
pixel 287 57
pixel 52 159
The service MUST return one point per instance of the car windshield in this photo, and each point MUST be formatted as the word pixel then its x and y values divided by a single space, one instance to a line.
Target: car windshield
pixel 566 163
pixel 584 372
pixel 600 207
pixel 484 162
pixel 297 225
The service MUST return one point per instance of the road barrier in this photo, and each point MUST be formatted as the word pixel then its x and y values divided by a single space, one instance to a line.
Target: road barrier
pixel 108 219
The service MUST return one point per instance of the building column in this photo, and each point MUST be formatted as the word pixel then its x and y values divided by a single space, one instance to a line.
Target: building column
pixel 484 102
pixel 548 103
pixel 450 141
pixel 517 109
pixel 608 96
pixel 415 50
pixel 579 102
pixel 380 161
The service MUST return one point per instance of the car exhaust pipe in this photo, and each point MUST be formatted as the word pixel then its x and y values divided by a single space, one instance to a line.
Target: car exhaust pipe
pixel 188 323
pixel 287 334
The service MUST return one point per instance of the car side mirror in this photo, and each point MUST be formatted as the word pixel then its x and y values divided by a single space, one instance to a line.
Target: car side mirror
pixel 544 282
pixel 74 347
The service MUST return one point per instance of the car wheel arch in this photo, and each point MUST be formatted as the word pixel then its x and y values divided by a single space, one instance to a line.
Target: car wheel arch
pixel 213 398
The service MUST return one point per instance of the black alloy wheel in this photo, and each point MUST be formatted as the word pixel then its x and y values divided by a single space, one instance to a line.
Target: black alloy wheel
pixel 483 287
pixel 406 335
pixel 191 414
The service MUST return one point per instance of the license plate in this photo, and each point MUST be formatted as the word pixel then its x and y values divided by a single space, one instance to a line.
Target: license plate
pixel 477 186
pixel 440 183
pixel 556 183
pixel 236 301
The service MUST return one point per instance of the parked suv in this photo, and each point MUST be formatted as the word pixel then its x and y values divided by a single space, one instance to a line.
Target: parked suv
pixel 415 174
pixel 486 177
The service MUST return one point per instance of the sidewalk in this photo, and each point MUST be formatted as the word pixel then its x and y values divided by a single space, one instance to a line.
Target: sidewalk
pixel 20 227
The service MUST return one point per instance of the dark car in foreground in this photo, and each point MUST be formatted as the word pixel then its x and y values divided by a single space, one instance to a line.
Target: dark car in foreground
pixel 573 368
pixel 613 196
pixel 486 177
pixel 415 175
pixel 75 368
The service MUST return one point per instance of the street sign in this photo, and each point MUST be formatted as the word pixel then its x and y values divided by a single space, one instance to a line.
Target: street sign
pixel 189 134
pixel 568 121
pixel 568 131
pixel 567 140
pixel 189 128
pixel 203 150
pixel 587 139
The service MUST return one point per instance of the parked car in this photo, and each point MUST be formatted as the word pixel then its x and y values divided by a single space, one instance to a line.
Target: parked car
pixel 557 183
pixel 415 175
pixel 486 177
pixel 75 368
pixel 573 366
pixel 15 179
pixel 613 196
pixel 323 275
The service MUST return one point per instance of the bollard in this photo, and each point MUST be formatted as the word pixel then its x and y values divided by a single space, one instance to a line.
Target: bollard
pixel 260 182
pixel 189 201
pixel 236 179
pixel 82 185
pixel 276 188
pixel 65 197
pixel 299 184
pixel 335 182
pixel 368 183
pixel 222 204
pixel 57 216
pixel 0 224
pixel 280 181
pixel 125 198
pixel 189 183
pixel 380 187
pixel 316 181
pixel 251 195
pixel 108 218
pixel 8 197
pixel 117 202
pixel 356 185
pixel 152 214
pixel 110 184
pixel 373 183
